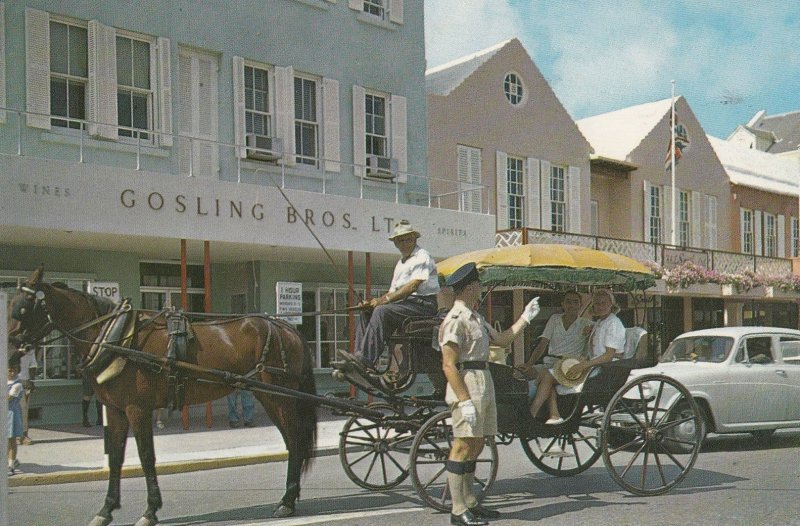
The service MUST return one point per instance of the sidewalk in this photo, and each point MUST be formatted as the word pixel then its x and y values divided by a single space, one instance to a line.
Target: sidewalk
pixel 73 453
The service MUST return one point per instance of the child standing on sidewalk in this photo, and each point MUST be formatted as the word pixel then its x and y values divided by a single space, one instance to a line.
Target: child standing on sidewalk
pixel 15 393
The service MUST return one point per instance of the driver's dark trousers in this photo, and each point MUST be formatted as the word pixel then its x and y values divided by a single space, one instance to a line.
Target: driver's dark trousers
pixel 373 331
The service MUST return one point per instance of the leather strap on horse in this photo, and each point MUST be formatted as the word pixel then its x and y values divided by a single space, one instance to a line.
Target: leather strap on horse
pixel 177 350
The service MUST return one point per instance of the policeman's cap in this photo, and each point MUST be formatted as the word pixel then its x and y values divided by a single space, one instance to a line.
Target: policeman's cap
pixel 462 277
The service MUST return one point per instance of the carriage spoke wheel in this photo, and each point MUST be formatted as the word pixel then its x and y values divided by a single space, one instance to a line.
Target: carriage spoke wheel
pixel 429 453
pixel 571 452
pixel 651 435
pixel 374 453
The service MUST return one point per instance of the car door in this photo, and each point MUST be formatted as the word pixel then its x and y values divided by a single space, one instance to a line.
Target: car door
pixel 789 364
pixel 756 383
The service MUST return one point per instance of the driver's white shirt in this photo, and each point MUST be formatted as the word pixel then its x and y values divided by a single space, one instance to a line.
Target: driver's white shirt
pixel 418 265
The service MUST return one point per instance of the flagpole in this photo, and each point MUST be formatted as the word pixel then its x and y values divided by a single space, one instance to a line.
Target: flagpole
pixel 672 161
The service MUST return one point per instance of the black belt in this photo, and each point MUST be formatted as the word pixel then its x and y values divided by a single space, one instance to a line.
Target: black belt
pixel 472 365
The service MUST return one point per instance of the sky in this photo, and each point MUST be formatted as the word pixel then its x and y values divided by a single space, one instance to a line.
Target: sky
pixel 728 58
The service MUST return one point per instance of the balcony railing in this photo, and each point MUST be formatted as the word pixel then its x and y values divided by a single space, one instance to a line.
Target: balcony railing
pixel 665 255
pixel 143 149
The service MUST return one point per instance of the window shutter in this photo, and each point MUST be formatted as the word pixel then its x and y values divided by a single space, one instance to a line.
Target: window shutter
pixel 502 190
pixel 330 112
pixel 547 209
pixel 396 11
pixel 758 248
pixel 781 236
pixel 37 68
pixel 101 91
pixel 594 218
pixel 667 207
pixel 475 196
pixel 2 61
pixel 358 5
pixel 646 213
pixel 164 92
pixel 697 219
pixel 533 199
pixel 284 112
pixel 185 117
pixel 574 182
pixel 206 160
pixel 239 126
pixel 468 166
pixel 711 221
pixel 359 130
pixel 741 229
pixel 400 136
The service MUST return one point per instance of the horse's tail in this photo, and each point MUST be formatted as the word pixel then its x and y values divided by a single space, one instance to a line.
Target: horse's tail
pixel 307 411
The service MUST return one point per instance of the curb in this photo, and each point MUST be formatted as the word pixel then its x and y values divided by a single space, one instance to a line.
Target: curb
pixel 167 468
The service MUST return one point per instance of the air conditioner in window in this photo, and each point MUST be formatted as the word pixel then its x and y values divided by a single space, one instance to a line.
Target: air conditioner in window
pixel 263 148
pixel 384 168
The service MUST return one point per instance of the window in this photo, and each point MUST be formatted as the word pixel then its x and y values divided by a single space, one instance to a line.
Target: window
pixel 558 199
pixel 257 114
pixel 306 125
pixel 515 175
pixel 134 93
pixel 795 237
pixel 790 350
pixel 375 7
pixel 377 139
pixel 770 236
pixel 747 231
pixel 69 73
pixel 513 89
pixel 654 228
pixel 684 230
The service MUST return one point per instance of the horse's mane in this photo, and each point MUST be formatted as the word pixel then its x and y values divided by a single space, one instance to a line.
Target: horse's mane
pixel 101 305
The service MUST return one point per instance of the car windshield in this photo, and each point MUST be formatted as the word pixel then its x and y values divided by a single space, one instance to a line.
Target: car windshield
pixel 698 349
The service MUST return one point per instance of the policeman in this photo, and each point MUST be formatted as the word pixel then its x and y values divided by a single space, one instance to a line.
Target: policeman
pixel 465 337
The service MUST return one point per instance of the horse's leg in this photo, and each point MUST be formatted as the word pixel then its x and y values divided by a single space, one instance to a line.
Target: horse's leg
pixel 142 423
pixel 294 467
pixel 117 436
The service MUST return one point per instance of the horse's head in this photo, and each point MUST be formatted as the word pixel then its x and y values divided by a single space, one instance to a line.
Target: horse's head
pixel 29 319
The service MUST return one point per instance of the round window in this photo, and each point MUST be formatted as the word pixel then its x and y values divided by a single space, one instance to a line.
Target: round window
pixel 512 86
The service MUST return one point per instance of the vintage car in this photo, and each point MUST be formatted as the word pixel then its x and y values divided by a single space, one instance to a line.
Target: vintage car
pixel 744 379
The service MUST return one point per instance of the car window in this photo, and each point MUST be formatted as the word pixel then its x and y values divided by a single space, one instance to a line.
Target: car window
pixel 757 350
pixel 790 350
pixel 698 349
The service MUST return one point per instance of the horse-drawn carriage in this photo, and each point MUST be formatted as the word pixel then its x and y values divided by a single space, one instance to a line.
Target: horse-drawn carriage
pixel 152 359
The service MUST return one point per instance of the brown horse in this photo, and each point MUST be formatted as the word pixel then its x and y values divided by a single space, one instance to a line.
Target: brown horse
pixel 256 346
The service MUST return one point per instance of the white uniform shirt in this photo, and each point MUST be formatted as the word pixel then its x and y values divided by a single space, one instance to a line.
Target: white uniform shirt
pixel 15 389
pixel 565 342
pixel 27 361
pixel 419 265
pixel 608 332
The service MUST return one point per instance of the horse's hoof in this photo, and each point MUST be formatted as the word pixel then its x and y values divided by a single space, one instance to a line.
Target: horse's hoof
pixel 100 521
pixel 144 521
pixel 283 511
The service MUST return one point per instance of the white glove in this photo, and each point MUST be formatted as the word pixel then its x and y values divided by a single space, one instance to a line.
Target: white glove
pixel 468 412
pixel 531 310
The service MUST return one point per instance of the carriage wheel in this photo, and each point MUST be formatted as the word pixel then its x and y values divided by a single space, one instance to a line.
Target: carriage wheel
pixel 374 454
pixel 567 453
pixel 429 452
pixel 650 419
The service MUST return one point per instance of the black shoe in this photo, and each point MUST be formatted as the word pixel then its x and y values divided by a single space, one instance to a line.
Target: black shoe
pixel 467 519
pixel 483 512
pixel 233 424
pixel 86 423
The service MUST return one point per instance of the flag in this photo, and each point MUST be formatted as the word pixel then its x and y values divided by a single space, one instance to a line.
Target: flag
pixel 681 144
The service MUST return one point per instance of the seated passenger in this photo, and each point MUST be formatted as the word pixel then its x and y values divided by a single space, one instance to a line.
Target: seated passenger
pixel 413 291
pixel 607 339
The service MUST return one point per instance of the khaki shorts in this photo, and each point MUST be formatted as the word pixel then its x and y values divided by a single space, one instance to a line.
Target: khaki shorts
pixel 485 425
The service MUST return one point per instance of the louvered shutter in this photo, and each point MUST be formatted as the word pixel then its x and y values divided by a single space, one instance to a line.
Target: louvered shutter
pixel 185 115
pixel 2 61
pixel 164 92
pixel 547 208
pixel 711 221
pixel 359 130
pixel 205 107
pixel 594 219
pixel 697 219
pixel 37 68
pixel 502 190
pixel 758 248
pixel 669 227
pixel 284 112
pixel 239 126
pixel 574 204
pixel 101 91
pixel 330 113
pixel 742 230
pixel 475 200
pixel 468 166
pixel 533 197
pixel 396 11
pixel 647 213
pixel 400 136
pixel 781 236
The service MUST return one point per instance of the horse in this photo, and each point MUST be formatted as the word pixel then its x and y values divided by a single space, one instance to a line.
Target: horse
pixel 255 346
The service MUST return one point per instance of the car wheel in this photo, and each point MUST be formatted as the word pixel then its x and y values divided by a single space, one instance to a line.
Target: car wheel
pixel 686 431
pixel 762 435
